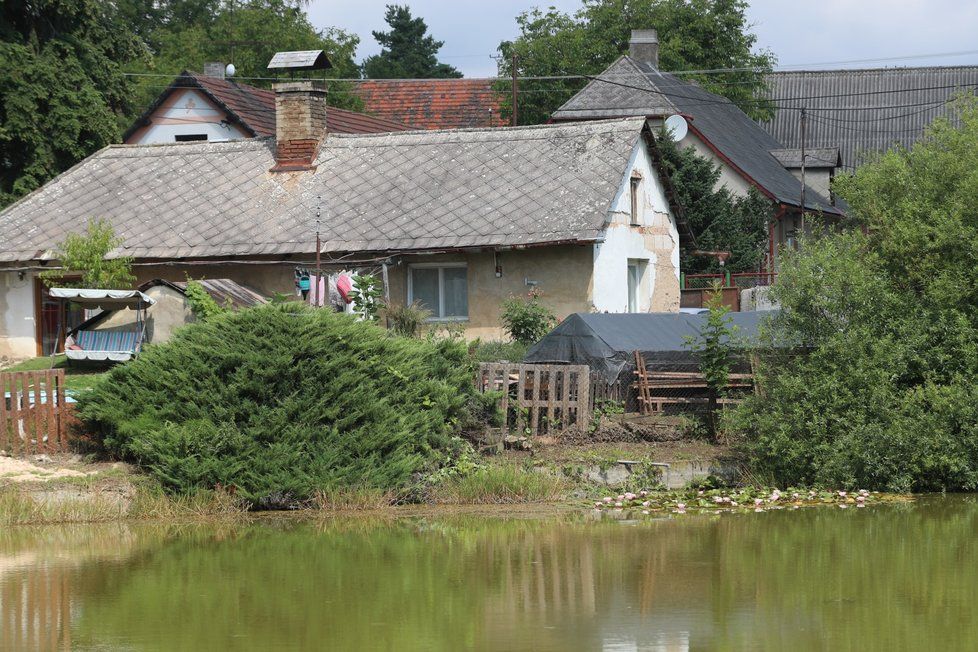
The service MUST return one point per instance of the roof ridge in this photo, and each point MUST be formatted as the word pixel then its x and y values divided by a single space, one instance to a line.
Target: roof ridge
pixel 541 127
pixel 872 70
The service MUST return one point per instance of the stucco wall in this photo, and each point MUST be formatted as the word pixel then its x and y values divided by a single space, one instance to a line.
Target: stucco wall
pixel 563 275
pixel 655 241
pixel 170 312
pixel 729 178
pixel 17 316
pixel 186 112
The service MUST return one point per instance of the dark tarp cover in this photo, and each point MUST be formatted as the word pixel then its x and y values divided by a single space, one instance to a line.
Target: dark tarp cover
pixel 607 342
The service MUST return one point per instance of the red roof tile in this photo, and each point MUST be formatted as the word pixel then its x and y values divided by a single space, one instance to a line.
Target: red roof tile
pixel 434 103
pixel 255 108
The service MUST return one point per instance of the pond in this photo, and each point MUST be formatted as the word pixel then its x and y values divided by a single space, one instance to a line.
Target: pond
pixel 896 576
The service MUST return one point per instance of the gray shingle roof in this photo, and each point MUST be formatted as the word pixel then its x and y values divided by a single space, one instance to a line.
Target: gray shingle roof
pixel 863 131
pixel 738 138
pixel 398 191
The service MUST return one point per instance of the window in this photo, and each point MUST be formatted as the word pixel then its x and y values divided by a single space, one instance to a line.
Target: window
pixel 442 289
pixel 636 185
pixel 636 272
pixel 183 138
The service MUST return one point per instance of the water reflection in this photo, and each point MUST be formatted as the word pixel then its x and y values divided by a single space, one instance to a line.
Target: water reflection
pixel 884 578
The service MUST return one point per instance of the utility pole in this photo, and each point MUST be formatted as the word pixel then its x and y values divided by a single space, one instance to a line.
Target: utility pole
pixel 802 126
pixel 319 267
pixel 515 88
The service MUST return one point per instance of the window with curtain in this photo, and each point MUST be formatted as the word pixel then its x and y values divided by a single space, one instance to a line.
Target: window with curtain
pixel 441 289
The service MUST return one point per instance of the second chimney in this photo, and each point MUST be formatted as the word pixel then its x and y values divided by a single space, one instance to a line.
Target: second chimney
pixel 644 46
pixel 300 124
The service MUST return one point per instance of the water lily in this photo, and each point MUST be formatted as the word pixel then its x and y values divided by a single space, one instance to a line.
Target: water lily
pixel 621 497
pixel 842 494
pixel 629 496
pixel 598 504
pixel 758 501
pixel 643 493
pixel 618 504
pixel 646 503
pixel 795 496
pixel 608 499
pixel 680 505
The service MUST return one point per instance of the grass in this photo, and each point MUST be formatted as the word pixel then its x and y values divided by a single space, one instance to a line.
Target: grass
pixel 20 506
pixel 502 483
pixel 355 498
pixel 77 377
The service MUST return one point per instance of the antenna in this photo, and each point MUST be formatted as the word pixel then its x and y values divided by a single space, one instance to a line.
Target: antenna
pixel 677 127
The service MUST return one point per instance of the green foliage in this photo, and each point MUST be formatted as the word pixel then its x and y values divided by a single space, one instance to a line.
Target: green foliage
pixel 202 304
pixel 184 34
pixel 62 89
pixel 85 255
pixel 714 346
pixel 494 351
pixel 693 35
pixel 526 319
pixel 281 401
pixel 719 220
pixel 367 296
pixel 408 53
pixel 407 320
pixel 885 392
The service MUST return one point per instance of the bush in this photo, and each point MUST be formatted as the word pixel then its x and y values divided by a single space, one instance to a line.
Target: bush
pixel 493 351
pixel 526 319
pixel 407 320
pixel 281 402
pixel 881 388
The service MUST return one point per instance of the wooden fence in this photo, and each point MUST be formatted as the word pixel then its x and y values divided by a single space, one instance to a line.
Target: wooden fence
pixel 539 399
pixel 33 413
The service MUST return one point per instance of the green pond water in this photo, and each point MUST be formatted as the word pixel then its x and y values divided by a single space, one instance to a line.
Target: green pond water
pixel 888 577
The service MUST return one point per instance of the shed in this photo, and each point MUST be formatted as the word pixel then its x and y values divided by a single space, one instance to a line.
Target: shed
pixel 170 309
pixel 607 342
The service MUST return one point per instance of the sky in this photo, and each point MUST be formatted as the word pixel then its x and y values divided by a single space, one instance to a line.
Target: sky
pixel 821 32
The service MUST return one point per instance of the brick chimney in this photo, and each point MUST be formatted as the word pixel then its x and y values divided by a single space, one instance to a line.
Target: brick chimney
pixel 300 124
pixel 644 46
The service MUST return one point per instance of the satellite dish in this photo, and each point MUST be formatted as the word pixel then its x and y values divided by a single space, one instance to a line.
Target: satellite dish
pixel 676 127
pixel 230 70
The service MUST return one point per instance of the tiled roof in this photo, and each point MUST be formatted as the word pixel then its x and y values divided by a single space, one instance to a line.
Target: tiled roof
pixel 397 191
pixel 916 95
pixel 434 103
pixel 636 88
pixel 254 108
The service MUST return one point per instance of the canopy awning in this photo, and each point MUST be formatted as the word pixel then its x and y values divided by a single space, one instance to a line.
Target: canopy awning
pixel 104 299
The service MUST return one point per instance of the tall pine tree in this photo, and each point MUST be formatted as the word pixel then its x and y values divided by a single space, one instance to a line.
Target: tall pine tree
pixel 407 52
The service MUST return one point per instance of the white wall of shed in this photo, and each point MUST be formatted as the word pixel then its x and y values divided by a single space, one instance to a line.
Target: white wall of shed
pixel 17 326
pixel 655 241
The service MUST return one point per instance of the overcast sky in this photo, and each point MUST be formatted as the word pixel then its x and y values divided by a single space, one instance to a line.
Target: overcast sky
pixel 813 32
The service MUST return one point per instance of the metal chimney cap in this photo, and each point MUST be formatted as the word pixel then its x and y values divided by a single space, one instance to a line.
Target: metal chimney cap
pixel 300 60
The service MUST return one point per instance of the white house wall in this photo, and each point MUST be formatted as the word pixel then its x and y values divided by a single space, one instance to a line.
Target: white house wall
pixel 187 112
pixel 17 316
pixel 729 177
pixel 655 241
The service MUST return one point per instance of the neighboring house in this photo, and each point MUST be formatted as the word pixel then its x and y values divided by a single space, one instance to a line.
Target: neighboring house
pixel 434 103
pixel 862 112
pixel 457 219
pixel 172 309
pixel 210 107
pixel 634 86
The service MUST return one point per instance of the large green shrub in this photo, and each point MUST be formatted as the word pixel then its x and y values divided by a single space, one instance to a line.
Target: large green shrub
pixel 872 379
pixel 281 401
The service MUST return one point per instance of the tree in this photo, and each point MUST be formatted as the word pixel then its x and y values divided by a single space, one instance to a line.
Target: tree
pixel 872 376
pixel 714 348
pixel 693 35
pixel 87 255
pixel 719 220
pixel 407 52
pixel 183 34
pixel 62 91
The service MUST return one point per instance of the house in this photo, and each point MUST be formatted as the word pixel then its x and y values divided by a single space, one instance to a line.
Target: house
pixel 212 107
pixel 861 112
pixel 171 308
pixel 434 103
pixel 717 129
pixel 457 219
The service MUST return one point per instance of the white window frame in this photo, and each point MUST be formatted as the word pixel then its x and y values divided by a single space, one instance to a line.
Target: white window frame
pixel 441 287
pixel 633 303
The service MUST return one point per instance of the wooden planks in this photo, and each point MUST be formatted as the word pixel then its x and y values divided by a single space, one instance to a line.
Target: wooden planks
pixel 539 399
pixel 32 412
